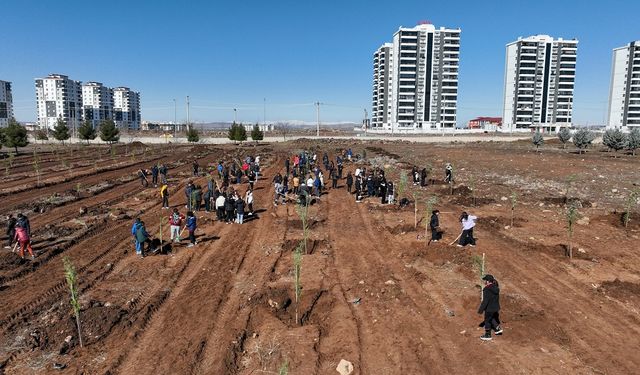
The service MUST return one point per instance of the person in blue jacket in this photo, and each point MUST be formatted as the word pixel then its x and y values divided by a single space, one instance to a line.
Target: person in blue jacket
pixel 191 227
pixel 141 237
pixel 134 230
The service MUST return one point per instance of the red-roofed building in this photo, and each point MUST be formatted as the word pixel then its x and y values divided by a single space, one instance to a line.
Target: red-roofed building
pixel 486 123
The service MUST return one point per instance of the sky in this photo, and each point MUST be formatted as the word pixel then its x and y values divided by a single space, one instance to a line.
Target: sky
pixel 286 55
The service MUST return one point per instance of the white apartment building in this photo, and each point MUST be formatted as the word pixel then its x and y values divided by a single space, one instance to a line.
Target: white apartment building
pixel 97 103
pixel 126 108
pixel 382 65
pixel 538 87
pixel 57 96
pixel 6 103
pixel 417 76
pixel 624 94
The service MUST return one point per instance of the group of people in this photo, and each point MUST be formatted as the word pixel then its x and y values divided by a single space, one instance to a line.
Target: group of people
pixel 19 235
pixel 371 183
pixel 156 170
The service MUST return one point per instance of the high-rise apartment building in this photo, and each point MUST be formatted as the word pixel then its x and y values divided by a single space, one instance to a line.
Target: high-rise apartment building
pixel 97 103
pixel 539 81
pixel 6 103
pixel 624 94
pixel 126 108
pixel 58 97
pixel 416 81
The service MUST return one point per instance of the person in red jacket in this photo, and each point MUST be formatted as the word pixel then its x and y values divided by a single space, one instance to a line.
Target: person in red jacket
pixel 22 237
pixel 175 221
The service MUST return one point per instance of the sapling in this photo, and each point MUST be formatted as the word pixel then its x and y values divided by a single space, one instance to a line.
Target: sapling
pixel 163 221
pixel 631 201
pixel 11 157
pixel 402 186
pixel 427 214
pixel 568 181
pixel 36 166
pixel 479 264
pixel 78 187
pixel 572 216
pixel 297 267
pixel 472 187
pixel 72 281
pixel 303 212
pixel 415 209
pixel 514 202
pixel 284 368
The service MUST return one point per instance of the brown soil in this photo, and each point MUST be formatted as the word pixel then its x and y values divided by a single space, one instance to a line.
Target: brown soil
pixel 373 291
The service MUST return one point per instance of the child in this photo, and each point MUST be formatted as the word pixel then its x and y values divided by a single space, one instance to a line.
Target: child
pixel 175 220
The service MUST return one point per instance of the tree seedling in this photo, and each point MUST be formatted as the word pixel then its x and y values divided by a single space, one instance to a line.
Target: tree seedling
pixel 514 202
pixel 71 276
pixel 297 268
pixel 572 216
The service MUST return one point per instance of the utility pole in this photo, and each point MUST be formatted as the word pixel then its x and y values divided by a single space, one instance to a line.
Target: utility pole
pixel 175 119
pixel 264 111
pixel 188 116
pixel 235 115
pixel 318 119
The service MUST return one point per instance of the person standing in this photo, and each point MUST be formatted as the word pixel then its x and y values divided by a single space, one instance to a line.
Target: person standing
pixel 11 231
pixel 196 167
pixel 249 201
pixel 349 182
pixel 134 230
pixel 423 177
pixel 141 237
pixel 390 193
pixel 434 224
pixel 239 210
pixel 229 206
pixel 490 306
pixel 191 227
pixel 154 175
pixel 163 173
pixel 468 222
pixel 286 165
pixel 334 179
pixel 164 193
pixel 187 192
pixel 220 206
pixel 175 222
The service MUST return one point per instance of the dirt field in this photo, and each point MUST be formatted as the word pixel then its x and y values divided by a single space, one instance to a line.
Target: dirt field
pixel 373 292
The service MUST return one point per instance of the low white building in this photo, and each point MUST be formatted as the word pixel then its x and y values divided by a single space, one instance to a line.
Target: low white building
pixel 6 103
pixel 624 93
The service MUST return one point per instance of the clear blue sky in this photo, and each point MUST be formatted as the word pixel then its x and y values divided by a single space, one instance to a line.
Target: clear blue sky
pixel 227 54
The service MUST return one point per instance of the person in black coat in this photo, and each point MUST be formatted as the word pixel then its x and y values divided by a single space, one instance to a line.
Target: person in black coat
pixel 434 224
pixel 349 182
pixel 490 306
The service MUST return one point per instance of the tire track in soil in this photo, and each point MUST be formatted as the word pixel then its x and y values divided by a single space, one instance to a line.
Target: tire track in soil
pixel 182 325
pixel 113 196
pixel 423 343
pixel 53 291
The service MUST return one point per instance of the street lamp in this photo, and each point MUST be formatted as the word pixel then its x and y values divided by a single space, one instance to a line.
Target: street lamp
pixel 235 116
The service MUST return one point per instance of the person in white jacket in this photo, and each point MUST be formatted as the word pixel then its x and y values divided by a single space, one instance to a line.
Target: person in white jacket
pixel 220 207
pixel 468 222
pixel 248 198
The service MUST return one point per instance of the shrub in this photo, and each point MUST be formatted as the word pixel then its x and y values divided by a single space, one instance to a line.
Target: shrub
pixel 614 139
pixel 256 133
pixel 86 132
pixel 633 140
pixel 192 135
pixel 583 138
pixel 538 140
pixel 564 135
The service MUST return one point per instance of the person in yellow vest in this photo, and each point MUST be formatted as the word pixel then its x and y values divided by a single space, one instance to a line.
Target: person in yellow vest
pixel 164 193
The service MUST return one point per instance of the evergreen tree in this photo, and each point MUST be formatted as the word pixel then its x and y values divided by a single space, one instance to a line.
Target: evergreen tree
pixel 61 131
pixel 564 135
pixel 614 139
pixel 15 135
pixel 256 133
pixel 41 135
pixel 633 140
pixel 192 135
pixel 241 133
pixel 86 131
pixel 233 131
pixel 109 132
pixel 537 140
pixel 583 138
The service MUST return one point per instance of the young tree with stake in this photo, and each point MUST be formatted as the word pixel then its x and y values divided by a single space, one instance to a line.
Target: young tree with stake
pixel 297 268
pixel 514 201
pixel 572 217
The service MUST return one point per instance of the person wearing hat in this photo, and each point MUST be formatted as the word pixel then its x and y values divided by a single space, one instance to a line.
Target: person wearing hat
pixel 490 306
